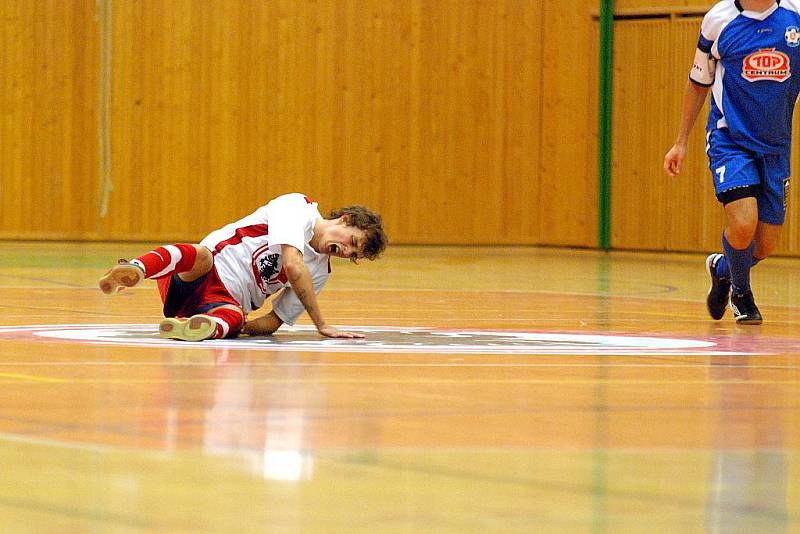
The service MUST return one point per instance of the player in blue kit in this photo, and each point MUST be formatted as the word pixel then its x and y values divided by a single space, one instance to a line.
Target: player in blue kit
pixel 745 56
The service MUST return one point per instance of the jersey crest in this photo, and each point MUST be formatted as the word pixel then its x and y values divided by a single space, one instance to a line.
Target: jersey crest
pixel 792 36
pixel 267 269
pixel 766 64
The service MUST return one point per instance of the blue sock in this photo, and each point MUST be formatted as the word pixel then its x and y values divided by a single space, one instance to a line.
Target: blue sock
pixel 723 271
pixel 738 263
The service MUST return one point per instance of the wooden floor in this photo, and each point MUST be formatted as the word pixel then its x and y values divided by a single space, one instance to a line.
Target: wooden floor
pixel 499 390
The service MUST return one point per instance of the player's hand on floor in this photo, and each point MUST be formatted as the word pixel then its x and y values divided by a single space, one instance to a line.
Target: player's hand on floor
pixel 330 331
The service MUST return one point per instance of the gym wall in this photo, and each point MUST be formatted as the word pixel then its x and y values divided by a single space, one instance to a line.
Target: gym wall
pixel 461 121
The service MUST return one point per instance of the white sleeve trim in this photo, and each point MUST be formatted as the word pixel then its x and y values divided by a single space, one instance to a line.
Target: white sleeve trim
pixel 703 69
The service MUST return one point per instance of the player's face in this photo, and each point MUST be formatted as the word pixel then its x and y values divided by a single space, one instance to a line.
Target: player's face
pixel 343 241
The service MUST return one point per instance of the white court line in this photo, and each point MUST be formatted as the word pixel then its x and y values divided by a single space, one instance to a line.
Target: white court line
pixel 508 342
pixel 350 453
pixel 80 446
pixel 703 366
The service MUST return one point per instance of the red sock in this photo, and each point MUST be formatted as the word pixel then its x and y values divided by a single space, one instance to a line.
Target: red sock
pixel 167 260
pixel 229 322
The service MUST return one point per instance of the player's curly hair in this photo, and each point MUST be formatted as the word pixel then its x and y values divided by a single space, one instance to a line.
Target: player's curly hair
pixel 365 219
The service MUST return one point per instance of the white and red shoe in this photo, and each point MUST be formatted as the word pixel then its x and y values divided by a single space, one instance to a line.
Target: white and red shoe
pixel 195 328
pixel 123 275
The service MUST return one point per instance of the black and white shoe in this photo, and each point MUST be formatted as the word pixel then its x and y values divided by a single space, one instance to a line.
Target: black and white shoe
pixel 744 308
pixel 720 291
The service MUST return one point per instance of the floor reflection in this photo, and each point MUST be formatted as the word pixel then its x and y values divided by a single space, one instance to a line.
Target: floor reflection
pixel 747 486
pixel 263 426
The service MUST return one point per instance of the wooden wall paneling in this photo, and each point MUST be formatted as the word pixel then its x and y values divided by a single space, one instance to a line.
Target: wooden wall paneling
pixel 592 139
pixel 475 65
pixel 435 201
pixel 292 165
pixel 48 151
pixel 433 93
pixel 649 209
pixel 522 122
pixel 440 202
pixel 138 111
pixel 17 105
pixel 409 108
pixel 288 76
pixel 128 119
pixel 641 196
pixel 369 56
pixel 78 169
pixel 449 119
pixel 663 5
pixel 568 178
pixel 429 112
pixel 396 148
pixel 230 114
pixel 488 102
pixel 175 128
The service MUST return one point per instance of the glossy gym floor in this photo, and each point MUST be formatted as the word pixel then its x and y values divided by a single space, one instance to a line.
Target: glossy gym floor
pixel 498 390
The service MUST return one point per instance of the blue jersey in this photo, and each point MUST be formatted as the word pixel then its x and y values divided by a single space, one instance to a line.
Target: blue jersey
pixel 748 59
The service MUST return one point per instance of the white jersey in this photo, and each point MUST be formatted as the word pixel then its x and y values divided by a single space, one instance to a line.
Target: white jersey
pixel 248 259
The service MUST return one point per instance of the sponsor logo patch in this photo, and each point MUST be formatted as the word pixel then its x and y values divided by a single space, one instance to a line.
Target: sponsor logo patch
pixel 766 64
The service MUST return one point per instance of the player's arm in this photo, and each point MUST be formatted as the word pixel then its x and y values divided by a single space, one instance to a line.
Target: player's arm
pixel 694 97
pixel 263 326
pixel 303 286
pixel 701 79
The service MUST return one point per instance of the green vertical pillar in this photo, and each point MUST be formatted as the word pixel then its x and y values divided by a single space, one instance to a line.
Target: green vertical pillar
pixel 605 123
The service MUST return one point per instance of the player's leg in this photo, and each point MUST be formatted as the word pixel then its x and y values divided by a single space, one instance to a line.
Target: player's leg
pixel 188 261
pixel 766 240
pixel 216 322
pixel 737 184
pixel 738 242
pixel 770 200
pixel 771 196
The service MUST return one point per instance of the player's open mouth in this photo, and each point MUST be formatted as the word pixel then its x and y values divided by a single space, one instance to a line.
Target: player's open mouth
pixel 333 248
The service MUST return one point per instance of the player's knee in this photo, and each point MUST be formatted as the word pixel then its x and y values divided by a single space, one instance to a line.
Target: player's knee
pixel 204 260
pixel 741 229
pixel 740 236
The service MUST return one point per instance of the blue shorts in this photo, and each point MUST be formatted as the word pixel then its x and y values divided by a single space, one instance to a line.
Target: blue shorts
pixel 734 167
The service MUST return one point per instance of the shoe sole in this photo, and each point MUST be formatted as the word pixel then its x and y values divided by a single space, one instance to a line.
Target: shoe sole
pixel 195 328
pixel 749 321
pixel 120 277
pixel 710 288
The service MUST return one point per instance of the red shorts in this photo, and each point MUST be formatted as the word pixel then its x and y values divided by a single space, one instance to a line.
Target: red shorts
pixel 184 299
